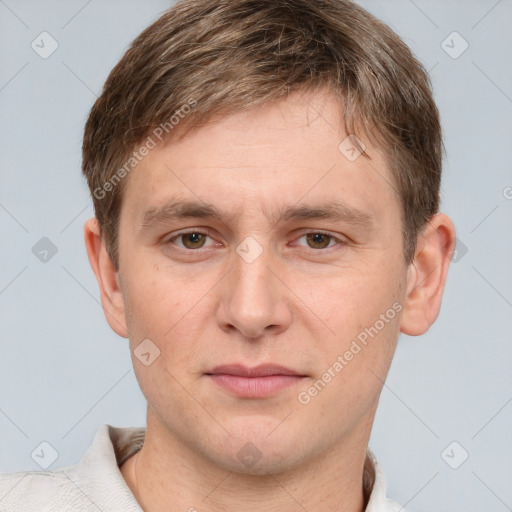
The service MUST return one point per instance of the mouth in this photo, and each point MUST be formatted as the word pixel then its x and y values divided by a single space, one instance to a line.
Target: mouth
pixel 257 382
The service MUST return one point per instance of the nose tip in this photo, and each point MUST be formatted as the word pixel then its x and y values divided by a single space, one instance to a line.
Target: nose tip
pixel 253 301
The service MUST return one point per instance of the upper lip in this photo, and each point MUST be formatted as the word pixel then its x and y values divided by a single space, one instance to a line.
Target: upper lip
pixel 263 370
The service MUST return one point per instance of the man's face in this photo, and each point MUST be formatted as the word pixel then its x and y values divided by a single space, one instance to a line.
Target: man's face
pixel 251 308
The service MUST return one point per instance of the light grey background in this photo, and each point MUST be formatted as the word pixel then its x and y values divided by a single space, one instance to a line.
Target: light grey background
pixel 63 372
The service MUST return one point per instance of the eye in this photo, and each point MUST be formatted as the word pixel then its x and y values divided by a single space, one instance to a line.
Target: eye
pixel 319 240
pixel 193 240
pixel 190 240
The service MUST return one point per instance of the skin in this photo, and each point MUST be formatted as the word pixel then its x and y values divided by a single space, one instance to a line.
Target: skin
pixel 299 304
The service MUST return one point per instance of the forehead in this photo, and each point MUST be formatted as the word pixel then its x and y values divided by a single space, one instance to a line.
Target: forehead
pixel 291 152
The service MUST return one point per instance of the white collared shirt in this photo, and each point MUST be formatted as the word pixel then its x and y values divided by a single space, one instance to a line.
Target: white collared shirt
pixel 96 483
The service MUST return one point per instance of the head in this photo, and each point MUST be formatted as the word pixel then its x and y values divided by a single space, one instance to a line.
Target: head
pixel 265 177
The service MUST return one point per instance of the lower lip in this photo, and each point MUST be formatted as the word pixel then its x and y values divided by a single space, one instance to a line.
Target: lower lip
pixel 255 387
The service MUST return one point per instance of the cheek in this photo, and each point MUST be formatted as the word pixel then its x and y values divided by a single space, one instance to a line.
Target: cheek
pixel 351 299
pixel 362 310
pixel 354 365
pixel 170 310
pixel 156 302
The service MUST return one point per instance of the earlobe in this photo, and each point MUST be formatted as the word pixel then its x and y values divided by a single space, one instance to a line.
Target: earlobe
pixel 426 275
pixel 107 276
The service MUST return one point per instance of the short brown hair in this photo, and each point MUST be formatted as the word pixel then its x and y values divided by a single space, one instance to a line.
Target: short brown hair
pixel 210 58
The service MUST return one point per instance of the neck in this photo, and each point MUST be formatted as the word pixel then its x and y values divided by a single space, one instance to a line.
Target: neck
pixel 177 478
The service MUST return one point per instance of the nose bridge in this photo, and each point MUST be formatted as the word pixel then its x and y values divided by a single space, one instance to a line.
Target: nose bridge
pixel 252 283
pixel 251 266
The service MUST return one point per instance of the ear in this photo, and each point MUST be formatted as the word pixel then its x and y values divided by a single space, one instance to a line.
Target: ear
pixel 107 276
pixel 426 275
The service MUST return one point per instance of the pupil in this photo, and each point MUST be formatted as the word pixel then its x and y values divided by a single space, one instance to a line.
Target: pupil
pixel 193 240
pixel 319 240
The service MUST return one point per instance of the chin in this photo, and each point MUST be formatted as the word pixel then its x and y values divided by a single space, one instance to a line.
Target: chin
pixel 251 460
pixel 259 448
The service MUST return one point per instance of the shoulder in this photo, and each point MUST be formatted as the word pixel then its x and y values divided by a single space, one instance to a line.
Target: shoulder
pixel 379 502
pixel 95 483
pixel 393 506
pixel 43 491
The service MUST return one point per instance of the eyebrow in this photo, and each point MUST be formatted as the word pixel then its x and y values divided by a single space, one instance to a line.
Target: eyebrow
pixel 336 211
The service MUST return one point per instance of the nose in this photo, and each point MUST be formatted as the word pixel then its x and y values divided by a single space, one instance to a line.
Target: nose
pixel 254 301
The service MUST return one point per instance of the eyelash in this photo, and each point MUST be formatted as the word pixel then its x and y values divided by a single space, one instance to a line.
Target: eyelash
pixel 177 236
